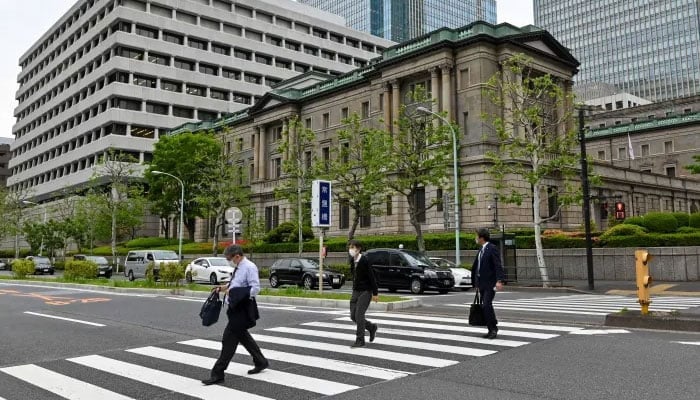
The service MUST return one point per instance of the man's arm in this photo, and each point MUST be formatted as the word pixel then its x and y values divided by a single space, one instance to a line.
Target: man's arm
pixel 253 278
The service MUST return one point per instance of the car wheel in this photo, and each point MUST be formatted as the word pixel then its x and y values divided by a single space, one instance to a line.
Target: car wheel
pixel 274 283
pixel 444 291
pixel 212 279
pixel 108 275
pixel 130 275
pixel 308 282
pixel 416 286
pixel 51 272
pixel 337 286
pixel 188 277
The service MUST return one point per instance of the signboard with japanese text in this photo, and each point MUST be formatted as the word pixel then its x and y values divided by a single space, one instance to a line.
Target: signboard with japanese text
pixel 321 204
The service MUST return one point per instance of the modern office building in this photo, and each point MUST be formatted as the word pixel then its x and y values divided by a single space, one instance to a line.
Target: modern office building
pixel 401 20
pixel 116 74
pixel 5 156
pixel 649 48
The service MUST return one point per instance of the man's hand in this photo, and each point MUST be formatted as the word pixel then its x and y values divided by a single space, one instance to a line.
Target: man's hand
pixel 375 298
pixel 499 286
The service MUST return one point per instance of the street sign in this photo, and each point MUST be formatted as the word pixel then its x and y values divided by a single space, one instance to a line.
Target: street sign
pixel 321 204
pixel 234 215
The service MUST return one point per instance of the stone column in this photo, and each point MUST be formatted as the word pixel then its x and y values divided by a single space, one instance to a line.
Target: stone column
pixel 395 101
pixel 447 91
pixel 435 94
pixel 386 106
pixel 262 165
pixel 285 127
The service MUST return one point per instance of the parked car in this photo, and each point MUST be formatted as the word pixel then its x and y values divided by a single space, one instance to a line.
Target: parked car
pixel 303 272
pixel 137 262
pixel 42 265
pixel 397 269
pixel 463 276
pixel 104 269
pixel 6 264
pixel 211 269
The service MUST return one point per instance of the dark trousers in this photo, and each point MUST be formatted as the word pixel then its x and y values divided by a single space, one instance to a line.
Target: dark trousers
pixel 232 336
pixel 359 303
pixel 487 294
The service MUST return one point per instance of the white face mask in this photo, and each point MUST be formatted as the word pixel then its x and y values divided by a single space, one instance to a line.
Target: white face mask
pixel 352 252
pixel 476 240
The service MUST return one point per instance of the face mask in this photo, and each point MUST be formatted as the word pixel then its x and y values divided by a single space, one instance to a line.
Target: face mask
pixel 476 240
pixel 352 252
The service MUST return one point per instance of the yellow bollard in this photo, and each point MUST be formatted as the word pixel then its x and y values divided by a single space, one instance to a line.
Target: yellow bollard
pixel 642 259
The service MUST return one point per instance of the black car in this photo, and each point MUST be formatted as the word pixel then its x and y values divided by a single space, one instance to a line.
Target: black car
pixel 103 267
pixel 303 272
pixel 405 269
pixel 42 265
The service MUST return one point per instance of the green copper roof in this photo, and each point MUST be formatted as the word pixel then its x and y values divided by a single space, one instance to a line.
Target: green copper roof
pixel 595 133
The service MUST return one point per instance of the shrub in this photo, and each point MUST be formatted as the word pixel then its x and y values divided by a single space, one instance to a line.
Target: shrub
pixel 171 273
pixel 151 242
pixel 76 270
pixel 286 232
pixel 694 220
pixel 682 218
pixel 639 221
pixel 655 240
pixel 22 268
pixel 342 268
pixel 151 273
pixel 660 222
pixel 59 265
pixel 623 230
pixel 688 229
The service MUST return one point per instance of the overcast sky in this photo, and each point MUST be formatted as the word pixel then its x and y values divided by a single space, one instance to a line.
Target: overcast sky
pixel 26 20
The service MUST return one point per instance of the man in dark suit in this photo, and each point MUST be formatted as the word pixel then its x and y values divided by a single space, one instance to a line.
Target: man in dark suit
pixel 487 272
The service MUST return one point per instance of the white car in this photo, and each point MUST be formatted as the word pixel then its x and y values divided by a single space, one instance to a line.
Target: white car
pixel 209 269
pixel 463 276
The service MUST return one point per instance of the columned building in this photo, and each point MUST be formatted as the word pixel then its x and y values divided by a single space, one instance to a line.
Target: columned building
pixel 453 65
pixel 117 74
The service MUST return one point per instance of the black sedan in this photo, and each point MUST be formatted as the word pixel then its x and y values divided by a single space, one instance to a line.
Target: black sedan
pixel 303 272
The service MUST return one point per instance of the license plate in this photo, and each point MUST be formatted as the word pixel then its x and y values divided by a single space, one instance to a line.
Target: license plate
pixel 102 272
pixel 46 270
pixel 336 280
pixel 447 281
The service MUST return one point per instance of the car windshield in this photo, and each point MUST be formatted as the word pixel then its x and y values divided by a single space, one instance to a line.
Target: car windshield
pixel 98 260
pixel 165 255
pixel 416 258
pixel 219 262
pixel 308 263
pixel 41 260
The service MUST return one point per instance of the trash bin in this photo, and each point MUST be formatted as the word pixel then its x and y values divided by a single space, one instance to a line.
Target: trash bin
pixel 507 249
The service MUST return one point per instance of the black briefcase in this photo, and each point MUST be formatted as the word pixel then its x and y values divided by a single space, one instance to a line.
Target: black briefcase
pixel 211 309
pixel 476 313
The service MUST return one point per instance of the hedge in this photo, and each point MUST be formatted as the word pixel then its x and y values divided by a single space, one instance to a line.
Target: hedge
pixel 76 270
pixel 682 218
pixel 660 222
pixel 21 268
pixel 655 240
pixel 639 221
pixel 550 242
pixel 622 230
pixel 151 242
pixel 694 220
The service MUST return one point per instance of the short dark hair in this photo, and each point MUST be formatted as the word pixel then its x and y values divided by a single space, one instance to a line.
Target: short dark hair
pixel 356 244
pixel 233 250
pixel 483 233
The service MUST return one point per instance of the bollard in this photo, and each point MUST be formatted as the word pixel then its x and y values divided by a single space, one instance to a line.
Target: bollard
pixel 642 259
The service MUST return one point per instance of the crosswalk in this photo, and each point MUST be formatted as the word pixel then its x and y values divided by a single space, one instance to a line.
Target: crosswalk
pixel 308 360
pixel 589 304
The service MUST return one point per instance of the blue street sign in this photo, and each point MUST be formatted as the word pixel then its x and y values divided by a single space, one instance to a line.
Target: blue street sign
pixel 321 204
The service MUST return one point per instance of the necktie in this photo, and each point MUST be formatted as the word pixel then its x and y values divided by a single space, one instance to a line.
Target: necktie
pixel 478 267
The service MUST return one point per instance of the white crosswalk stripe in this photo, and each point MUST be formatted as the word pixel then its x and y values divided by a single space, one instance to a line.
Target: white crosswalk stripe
pixel 307 361
pixel 596 305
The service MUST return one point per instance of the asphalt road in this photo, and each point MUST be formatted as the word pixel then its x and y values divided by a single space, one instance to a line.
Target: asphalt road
pixel 154 347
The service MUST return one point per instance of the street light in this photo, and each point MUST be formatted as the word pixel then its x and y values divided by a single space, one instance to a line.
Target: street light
pixel 182 205
pixel 586 192
pixel 456 177
pixel 41 247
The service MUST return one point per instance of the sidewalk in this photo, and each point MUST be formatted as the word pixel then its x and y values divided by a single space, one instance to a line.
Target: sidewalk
pixel 622 288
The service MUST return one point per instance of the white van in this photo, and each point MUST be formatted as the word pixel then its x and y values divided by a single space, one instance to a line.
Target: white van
pixel 137 262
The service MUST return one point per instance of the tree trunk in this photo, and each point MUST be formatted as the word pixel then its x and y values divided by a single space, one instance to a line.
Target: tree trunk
pixel 190 225
pixel 537 221
pixel 355 223
pixel 114 237
pixel 414 221
pixel 215 241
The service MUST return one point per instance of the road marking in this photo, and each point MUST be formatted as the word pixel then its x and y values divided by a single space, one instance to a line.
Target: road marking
pixel 465 322
pixel 550 311
pixel 465 351
pixel 311 361
pixel 64 319
pixel 61 385
pixel 82 290
pixel 315 385
pixel 462 328
pixel 166 380
pixel 362 351
pixel 690 343
pixel 599 331
pixel 425 334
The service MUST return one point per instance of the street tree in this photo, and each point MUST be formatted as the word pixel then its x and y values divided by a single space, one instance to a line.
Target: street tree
pixel 34 233
pixel 358 169
pixel 255 228
pixel 532 113
pixel 695 167
pixel 224 188
pixel 192 157
pixel 299 168
pixel 419 155
pixel 13 213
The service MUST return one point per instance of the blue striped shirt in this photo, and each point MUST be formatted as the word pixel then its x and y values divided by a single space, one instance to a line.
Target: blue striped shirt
pixel 246 274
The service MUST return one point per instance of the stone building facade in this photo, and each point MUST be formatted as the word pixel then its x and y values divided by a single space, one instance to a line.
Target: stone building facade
pixel 453 65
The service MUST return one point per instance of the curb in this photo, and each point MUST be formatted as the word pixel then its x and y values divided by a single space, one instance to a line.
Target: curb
pixel 659 321
pixel 294 301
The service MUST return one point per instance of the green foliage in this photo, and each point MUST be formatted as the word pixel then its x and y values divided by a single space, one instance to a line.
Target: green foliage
pixel 33 235
pixel 639 221
pixel 660 222
pixel 80 270
pixel 694 168
pixel 150 243
pixel 682 218
pixel 171 274
pixel 687 229
pixel 341 268
pixel 21 268
pixel 655 240
pixel 286 232
pixel 151 273
pixel 622 230
pixel 59 265
pixel 694 220
pixel 550 242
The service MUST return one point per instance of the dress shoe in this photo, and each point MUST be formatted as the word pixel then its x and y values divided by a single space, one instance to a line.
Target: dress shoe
pixel 490 335
pixel 358 343
pixel 372 332
pixel 213 380
pixel 258 368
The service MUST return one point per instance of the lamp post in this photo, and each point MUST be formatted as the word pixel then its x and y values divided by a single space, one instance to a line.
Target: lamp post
pixel 41 247
pixel 456 177
pixel 182 205
pixel 586 194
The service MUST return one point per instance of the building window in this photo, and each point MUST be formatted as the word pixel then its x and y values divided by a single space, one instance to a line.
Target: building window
pixel 365 109
pixel 553 202
pixel 279 63
pixel 183 112
pixel 171 86
pixel 158 59
pixel 276 168
pixel 197 44
pixel 344 113
pixel 601 154
pixel 671 171
pixel 241 98
pixel 126 104
pixel 251 78
pixel 209 69
pixel 156 108
pixel 292 45
pixel 263 59
pixel 143 132
pixel 419 198
pixel 207 115
pixel 365 218
pixel 311 50
pixel 239 144
pixel 273 40
pixel 277 133
pixel 439 203
pixel 218 94
pixel 645 150
pixel 621 151
pixel 231 74
pixel 145 81
pixel 344 59
pixel 121 77
pixel 308 160
pixel 668 147
pixel 130 53
pixel 389 205
pixel 327 55
pixel 307 123
pixel 272 217
pixel 326 120
pixel 196 90
pixel 344 215
pixel 173 38
pixel 221 49
pixel 184 64
pixel 301 67
pixel 326 156
pixel 242 54
pixel 147 32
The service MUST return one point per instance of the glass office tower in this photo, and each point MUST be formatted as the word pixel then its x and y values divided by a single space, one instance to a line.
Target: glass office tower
pixel 649 48
pixel 401 20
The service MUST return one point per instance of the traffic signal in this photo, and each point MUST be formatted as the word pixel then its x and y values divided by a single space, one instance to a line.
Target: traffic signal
pixel 642 259
pixel 620 210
